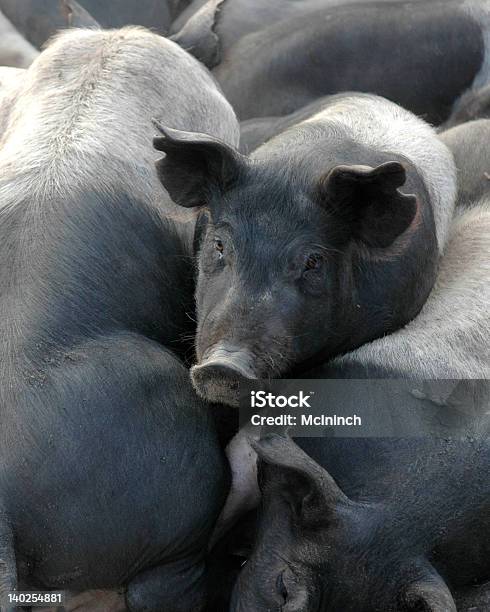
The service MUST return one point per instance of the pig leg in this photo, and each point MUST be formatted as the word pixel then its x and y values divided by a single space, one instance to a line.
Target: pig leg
pixel 8 566
pixel 244 494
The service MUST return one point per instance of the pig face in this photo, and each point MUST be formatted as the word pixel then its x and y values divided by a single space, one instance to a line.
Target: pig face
pixel 280 257
pixel 316 550
pixel 267 271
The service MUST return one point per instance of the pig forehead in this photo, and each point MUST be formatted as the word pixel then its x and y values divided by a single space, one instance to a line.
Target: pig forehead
pixel 270 209
pixel 272 229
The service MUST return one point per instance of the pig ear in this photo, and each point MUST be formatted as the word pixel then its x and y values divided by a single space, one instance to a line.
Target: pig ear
pixel 310 489
pixel 195 165
pixel 429 594
pixel 369 201
pixel 198 35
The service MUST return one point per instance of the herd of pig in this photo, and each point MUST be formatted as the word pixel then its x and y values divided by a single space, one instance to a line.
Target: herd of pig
pixel 255 189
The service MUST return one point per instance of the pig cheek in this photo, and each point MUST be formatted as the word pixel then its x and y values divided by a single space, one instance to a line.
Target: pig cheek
pixel 250 592
pixel 309 328
pixel 208 293
pixel 211 306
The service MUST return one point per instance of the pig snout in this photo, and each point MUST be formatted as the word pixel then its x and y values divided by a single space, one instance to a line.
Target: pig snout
pixel 218 376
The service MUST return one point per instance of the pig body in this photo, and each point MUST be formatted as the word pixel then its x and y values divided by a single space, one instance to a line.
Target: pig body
pixel 223 23
pixel 393 50
pixel 38 21
pixel 105 509
pixel 95 279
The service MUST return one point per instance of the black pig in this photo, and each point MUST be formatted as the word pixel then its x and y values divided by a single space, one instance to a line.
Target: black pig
pixel 386 540
pixel 327 237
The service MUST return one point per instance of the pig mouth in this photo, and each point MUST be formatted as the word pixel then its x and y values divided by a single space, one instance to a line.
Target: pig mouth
pixel 218 376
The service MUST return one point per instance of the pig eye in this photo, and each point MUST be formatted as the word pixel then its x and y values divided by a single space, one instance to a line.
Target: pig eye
pixel 313 262
pixel 218 245
pixel 281 587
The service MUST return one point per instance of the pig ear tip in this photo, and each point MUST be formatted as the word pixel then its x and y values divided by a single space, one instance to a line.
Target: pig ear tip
pixel 396 167
pixel 161 128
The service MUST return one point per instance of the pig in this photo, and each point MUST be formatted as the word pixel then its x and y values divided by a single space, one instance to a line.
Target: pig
pixel 327 237
pixel 15 50
pixel 112 473
pixel 98 504
pixel 369 524
pixel 421 55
